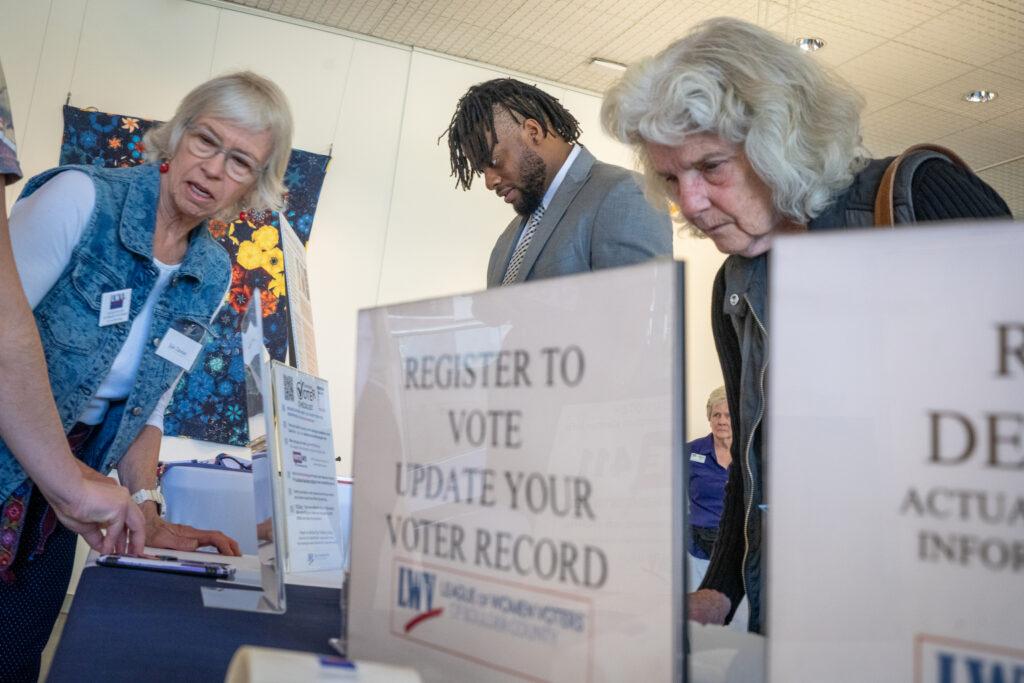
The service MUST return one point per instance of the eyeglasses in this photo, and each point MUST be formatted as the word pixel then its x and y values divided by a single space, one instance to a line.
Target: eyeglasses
pixel 239 166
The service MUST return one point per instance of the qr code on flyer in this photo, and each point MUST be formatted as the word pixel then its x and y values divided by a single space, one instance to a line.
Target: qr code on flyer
pixel 289 388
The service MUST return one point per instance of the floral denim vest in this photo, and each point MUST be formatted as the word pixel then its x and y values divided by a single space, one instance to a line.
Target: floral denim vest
pixel 115 253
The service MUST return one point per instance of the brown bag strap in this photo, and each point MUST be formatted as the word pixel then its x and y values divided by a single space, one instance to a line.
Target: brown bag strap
pixel 885 212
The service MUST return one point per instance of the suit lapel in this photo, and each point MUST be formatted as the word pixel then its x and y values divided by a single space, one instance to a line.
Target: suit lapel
pixel 566 192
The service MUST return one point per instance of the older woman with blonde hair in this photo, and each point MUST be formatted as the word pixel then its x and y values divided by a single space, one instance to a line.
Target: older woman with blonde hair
pixel 710 457
pixel 751 138
pixel 124 279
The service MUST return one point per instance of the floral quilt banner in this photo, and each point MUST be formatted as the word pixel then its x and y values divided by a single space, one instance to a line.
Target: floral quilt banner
pixel 209 402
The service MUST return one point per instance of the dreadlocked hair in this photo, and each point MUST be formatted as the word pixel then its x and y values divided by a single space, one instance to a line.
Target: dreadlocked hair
pixel 468 146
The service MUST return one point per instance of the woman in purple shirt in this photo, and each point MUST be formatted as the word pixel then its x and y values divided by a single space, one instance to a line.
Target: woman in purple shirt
pixel 709 465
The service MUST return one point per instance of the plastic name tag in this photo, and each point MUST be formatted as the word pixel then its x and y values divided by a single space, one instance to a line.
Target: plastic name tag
pixel 115 307
pixel 697 457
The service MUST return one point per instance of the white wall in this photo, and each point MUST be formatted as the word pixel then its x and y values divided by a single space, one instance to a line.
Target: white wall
pixel 390 225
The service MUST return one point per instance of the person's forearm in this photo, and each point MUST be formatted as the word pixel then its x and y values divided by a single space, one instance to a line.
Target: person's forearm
pixel 137 468
pixel 29 424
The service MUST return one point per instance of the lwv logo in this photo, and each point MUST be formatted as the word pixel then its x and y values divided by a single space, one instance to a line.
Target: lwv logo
pixel 416 590
pixel 948 660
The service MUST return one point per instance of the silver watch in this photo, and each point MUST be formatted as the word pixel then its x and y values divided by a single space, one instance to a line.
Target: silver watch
pixel 154 495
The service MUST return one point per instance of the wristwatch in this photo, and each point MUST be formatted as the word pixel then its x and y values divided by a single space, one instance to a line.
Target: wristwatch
pixel 154 495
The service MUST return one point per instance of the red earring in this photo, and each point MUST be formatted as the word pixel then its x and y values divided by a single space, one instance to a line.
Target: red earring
pixel 164 167
pixel 242 215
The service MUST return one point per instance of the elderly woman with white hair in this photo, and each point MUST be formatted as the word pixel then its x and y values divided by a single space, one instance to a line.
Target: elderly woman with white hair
pixel 751 138
pixel 124 279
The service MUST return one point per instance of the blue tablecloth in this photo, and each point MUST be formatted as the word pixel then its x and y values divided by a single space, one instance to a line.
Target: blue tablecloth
pixel 129 625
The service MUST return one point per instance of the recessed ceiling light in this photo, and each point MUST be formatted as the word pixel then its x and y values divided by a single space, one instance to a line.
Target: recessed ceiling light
pixel 981 96
pixel 608 64
pixel 809 44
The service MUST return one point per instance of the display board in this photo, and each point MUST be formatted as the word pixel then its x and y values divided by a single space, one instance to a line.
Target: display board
pixel 301 340
pixel 517 509
pixel 896 469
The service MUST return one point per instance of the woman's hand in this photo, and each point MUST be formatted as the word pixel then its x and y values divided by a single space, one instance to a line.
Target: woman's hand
pixel 163 534
pixel 138 469
pixel 102 512
pixel 708 606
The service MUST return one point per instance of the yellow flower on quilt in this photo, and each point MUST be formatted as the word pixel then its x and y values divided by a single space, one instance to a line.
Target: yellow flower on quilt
pixel 276 285
pixel 273 261
pixel 266 237
pixel 250 256
pixel 129 124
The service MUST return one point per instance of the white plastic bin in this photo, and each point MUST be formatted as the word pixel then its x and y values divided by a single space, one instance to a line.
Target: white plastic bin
pixel 219 495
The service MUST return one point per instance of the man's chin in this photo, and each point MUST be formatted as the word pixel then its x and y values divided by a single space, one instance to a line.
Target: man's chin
pixel 524 208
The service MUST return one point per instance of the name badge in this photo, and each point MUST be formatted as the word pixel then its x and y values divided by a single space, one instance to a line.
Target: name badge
pixel 115 307
pixel 179 349
pixel 698 457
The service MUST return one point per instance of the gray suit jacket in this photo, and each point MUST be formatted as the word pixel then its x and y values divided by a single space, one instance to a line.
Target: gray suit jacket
pixel 598 218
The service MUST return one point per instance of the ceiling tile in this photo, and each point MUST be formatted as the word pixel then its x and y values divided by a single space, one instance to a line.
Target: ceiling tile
pixel 842 43
pixel 325 11
pixel 900 70
pixel 1008 181
pixel 366 17
pixel 1014 121
pixel 875 100
pixel 880 145
pixel 591 77
pixel 1011 65
pixel 680 16
pixel 883 17
pixel 969 34
pixel 907 123
pixel 773 14
pixel 983 145
pixel 950 95
pixel 927 121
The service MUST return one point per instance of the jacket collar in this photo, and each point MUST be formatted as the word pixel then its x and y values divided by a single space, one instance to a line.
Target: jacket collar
pixel 138 221
pixel 746 280
pixel 576 177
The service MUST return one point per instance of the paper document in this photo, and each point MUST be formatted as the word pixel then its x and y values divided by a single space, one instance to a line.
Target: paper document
pixel 307 455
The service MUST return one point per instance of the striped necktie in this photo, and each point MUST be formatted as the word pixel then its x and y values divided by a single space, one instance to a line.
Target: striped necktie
pixel 517 256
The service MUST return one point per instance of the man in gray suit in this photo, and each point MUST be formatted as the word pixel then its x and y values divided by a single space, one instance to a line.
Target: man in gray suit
pixel 575 213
